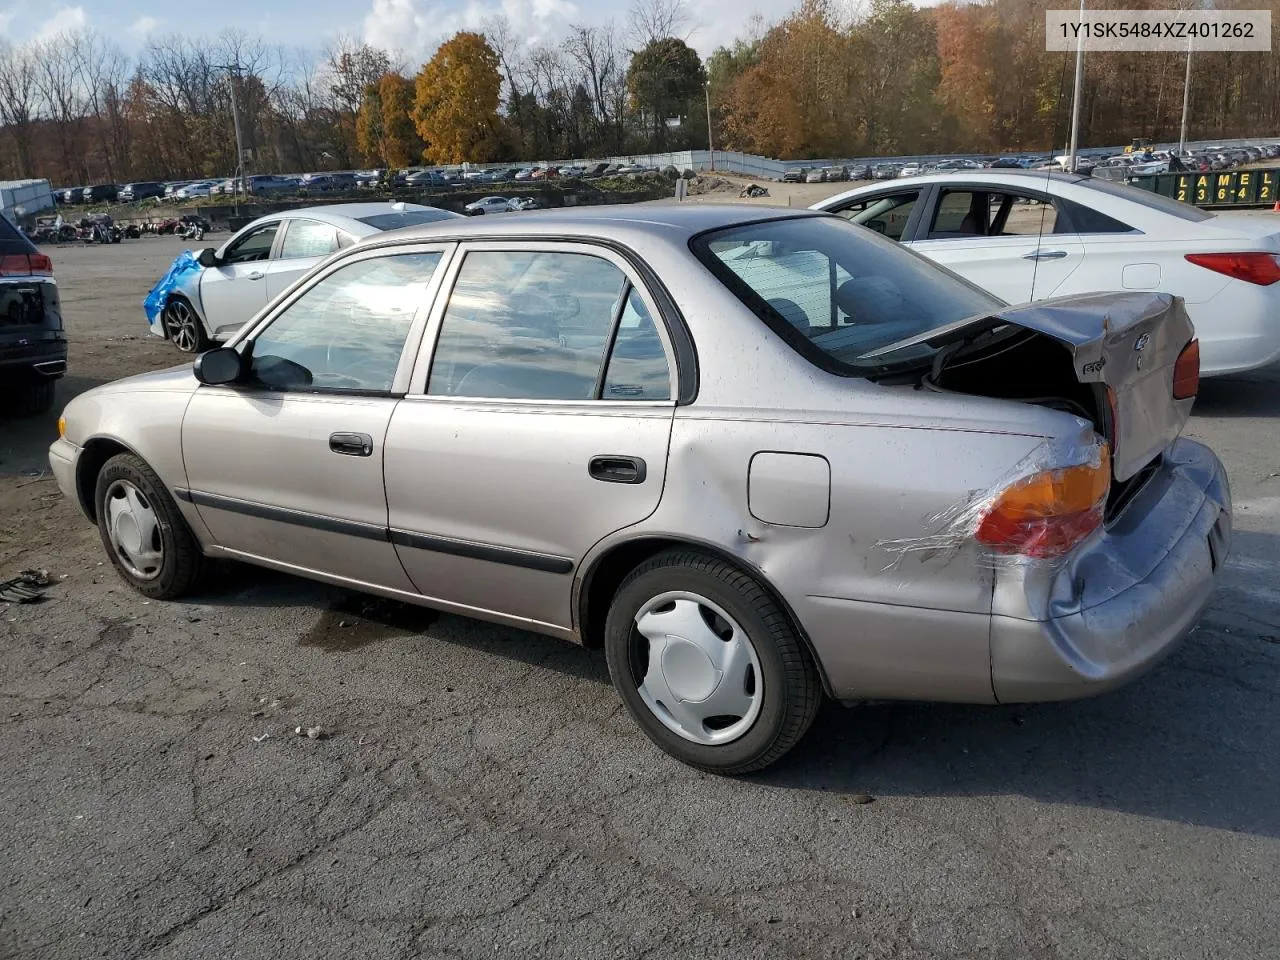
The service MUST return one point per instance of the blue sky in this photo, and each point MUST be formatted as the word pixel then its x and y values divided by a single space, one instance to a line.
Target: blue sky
pixel 413 27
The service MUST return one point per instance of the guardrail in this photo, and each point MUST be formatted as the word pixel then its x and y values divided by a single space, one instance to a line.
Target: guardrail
pixel 1216 188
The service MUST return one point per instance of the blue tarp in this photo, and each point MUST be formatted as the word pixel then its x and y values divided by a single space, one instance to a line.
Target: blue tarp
pixel 184 264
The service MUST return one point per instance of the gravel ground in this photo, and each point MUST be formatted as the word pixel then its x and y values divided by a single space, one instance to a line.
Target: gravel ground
pixel 478 791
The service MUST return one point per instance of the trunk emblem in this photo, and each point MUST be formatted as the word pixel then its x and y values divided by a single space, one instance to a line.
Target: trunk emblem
pixel 1142 341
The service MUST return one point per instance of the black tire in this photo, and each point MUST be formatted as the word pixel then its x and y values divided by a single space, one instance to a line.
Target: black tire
pixel 183 564
pixel 791 685
pixel 33 399
pixel 183 327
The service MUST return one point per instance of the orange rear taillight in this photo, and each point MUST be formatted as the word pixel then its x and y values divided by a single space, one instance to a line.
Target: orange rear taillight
pixel 1048 513
pixel 1186 372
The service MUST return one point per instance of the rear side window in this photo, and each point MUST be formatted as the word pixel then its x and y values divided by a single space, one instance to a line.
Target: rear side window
pixel 309 238
pixel 1153 201
pixel 537 325
pixel 1087 220
pixel 406 218
pixel 839 295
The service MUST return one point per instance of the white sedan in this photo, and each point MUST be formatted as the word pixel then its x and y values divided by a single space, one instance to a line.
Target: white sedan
pixel 1026 235
pixel 489 205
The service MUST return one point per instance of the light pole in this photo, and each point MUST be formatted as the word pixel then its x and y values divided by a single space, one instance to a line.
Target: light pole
pixel 1075 102
pixel 1186 103
pixel 233 74
pixel 706 89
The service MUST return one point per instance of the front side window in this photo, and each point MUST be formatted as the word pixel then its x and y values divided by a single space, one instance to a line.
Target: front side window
pixel 309 238
pixel 254 245
pixel 537 325
pixel 838 294
pixel 346 333
pixel 887 216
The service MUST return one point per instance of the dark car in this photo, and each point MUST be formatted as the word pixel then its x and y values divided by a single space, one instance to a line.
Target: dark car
pixel 860 171
pixel 70 195
pixel 100 193
pixel 595 170
pixel 794 175
pixel 1006 163
pixel 132 192
pixel 33 347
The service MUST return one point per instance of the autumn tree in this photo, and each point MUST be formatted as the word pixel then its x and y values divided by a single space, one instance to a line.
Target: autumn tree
pixel 664 78
pixel 456 101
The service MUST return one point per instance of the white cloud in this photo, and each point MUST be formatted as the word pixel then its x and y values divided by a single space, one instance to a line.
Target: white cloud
pixel 143 27
pixel 6 18
pixel 416 27
pixel 64 20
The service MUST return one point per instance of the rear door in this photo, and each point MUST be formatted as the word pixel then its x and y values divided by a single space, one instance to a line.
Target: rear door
pixel 1003 239
pixel 303 246
pixel 540 427
pixel 232 292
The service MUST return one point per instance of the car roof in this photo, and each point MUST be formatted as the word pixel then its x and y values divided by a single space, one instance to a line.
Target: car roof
pixel 614 221
pixel 345 215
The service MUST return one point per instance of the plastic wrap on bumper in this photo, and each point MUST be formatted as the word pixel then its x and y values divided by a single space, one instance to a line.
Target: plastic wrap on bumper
pixel 1126 599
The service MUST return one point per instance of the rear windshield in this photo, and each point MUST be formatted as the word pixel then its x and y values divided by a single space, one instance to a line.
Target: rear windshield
pixel 1149 199
pixel 838 292
pixel 405 218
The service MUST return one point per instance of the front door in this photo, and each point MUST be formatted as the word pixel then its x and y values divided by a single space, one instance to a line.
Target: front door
pixel 233 292
pixel 287 467
pixel 542 427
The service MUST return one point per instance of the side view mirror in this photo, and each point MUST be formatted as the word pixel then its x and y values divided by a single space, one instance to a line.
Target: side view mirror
pixel 207 257
pixel 218 366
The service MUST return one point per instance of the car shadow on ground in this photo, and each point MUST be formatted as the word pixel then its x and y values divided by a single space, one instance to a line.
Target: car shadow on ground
pixel 1195 741
pixel 24 441
pixel 1248 395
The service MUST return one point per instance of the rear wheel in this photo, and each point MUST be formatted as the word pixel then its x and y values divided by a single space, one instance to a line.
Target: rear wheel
pixel 183 327
pixel 708 664
pixel 145 535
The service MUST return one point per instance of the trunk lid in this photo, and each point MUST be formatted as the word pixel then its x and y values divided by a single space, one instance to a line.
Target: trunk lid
pixel 1128 343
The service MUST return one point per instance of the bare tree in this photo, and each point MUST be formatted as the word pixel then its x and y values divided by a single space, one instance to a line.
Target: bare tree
pixel 18 101
pixel 650 20
pixel 104 71
pixel 59 82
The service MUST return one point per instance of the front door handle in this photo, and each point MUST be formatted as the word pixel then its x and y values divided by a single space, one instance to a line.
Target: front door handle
pixel 1045 255
pixel 256 275
pixel 351 444
pixel 617 469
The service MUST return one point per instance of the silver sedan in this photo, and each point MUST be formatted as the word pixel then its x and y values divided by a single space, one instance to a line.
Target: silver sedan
pixel 263 259
pixel 758 456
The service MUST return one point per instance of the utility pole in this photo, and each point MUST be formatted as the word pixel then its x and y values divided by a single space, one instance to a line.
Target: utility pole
pixel 1186 102
pixel 1075 102
pixel 706 89
pixel 233 74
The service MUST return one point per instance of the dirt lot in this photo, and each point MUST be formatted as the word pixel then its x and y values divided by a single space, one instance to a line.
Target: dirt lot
pixel 481 792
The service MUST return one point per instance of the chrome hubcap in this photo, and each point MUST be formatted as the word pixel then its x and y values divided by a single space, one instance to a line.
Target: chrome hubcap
pixel 134 530
pixel 181 323
pixel 696 668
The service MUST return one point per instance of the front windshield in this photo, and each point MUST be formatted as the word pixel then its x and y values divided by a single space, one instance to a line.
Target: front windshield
pixel 839 293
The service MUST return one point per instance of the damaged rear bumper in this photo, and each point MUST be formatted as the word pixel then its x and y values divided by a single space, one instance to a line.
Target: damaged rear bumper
pixel 1123 602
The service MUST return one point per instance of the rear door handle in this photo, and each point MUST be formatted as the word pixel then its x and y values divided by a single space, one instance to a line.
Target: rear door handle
pixel 1045 255
pixel 351 444
pixel 617 469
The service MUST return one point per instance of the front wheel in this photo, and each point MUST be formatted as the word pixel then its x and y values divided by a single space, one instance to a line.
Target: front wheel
pixel 144 533
pixel 183 327
pixel 708 664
